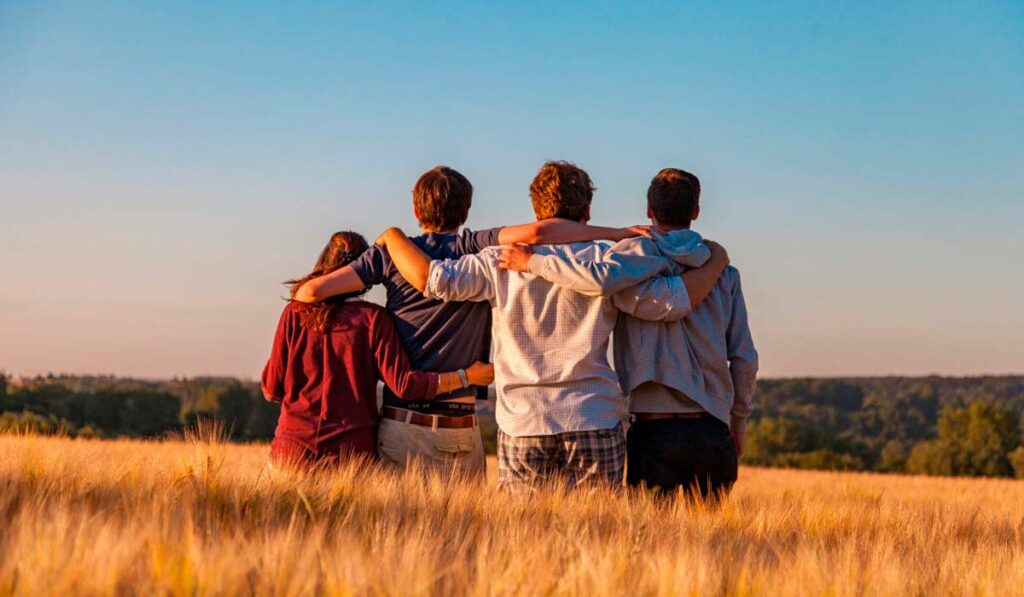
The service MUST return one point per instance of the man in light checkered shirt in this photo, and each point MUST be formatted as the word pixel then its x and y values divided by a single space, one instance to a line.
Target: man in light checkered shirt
pixel 560 406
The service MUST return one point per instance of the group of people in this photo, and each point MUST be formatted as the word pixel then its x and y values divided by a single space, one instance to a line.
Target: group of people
pixel 548 295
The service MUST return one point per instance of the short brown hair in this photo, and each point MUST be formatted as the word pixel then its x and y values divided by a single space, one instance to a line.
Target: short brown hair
pixel 442 197
pixel 561 190
pixel 673 196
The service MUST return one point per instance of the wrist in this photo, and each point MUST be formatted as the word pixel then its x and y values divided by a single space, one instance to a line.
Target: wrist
pixel 617 234
pixel 613 234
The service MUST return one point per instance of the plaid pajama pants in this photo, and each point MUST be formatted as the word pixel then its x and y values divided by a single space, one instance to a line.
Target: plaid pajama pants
pixel 576 458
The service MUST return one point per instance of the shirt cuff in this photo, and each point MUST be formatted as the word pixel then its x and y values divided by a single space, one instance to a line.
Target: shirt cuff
pixel 437 280
pixel 738 424
pixel 536 264
pixel 269 395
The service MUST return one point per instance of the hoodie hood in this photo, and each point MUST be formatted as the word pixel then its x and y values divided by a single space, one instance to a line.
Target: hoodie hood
pixel 685 247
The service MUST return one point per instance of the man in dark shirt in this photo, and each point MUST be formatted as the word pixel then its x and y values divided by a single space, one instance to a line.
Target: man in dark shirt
pixel 439 336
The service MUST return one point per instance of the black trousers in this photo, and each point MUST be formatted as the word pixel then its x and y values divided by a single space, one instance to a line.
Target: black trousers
pixel 696 455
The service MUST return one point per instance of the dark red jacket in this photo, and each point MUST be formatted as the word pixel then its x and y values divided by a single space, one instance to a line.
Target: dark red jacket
pixel 326 381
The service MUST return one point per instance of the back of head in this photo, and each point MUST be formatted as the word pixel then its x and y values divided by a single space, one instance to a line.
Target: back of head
pixel 562 190
pixel 673 197
pixel 343 248
pixel 442 197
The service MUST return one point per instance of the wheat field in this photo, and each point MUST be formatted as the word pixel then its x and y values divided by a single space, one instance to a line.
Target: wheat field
pixel 205 517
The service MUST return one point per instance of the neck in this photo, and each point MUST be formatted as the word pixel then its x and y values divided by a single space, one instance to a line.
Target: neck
pixel 665 229
pixel 436 231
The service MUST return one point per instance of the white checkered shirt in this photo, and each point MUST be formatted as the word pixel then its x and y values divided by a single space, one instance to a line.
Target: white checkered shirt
pixel 551 344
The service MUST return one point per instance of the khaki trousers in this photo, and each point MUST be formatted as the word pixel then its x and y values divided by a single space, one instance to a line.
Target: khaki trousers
pixel 448 451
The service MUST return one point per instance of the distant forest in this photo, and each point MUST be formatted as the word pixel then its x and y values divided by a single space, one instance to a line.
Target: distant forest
pixel 923 425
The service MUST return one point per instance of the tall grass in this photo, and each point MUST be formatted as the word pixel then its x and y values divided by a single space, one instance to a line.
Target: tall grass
pixel 201 516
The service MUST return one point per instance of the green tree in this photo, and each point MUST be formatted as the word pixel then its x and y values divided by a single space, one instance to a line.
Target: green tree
pixel 907 416
pixel 822 459
pixel 1017 461
pixel 149 413
pixel 234 406
pixel 930 458
pixel 262 419
pixel 29 422
pixel 103 410
pixel 980 437
pixel 132 412
pixel 893 458
pixel 974 440
pixel 771 438
pixel 230 401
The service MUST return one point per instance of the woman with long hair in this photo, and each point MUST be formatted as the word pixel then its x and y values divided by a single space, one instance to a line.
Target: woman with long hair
pixel 325 364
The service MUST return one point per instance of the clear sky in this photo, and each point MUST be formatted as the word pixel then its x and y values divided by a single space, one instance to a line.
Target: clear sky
pixel 164 165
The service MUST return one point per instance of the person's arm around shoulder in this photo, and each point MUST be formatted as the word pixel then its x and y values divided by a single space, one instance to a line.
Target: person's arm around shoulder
pixel 368 269
pixel 743 361
pixel 625 264
pixel 411 261
pixel 558 230
pixel 465 279
pixel 341 281
pixel 671 298
pixel 393 366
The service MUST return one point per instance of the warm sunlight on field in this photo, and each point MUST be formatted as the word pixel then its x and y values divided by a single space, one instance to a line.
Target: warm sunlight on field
pixel 103 517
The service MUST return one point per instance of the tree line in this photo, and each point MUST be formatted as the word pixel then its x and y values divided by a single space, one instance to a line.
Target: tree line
pixel 930 425
pixel 924 425
pixel 101 406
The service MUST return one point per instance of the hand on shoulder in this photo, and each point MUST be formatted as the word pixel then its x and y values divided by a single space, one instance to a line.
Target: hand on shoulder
pixel 388 234
pixel 719 255
pixel 515 257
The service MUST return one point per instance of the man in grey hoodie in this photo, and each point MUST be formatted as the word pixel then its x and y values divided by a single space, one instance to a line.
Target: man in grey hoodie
pixel 690 382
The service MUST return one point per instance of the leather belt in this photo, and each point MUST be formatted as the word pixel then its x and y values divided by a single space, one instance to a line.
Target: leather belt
pixel 438 421
pixel 659 416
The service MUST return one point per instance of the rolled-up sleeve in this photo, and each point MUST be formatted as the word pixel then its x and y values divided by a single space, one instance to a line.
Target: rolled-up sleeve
pixel 467 279
pixel 657 299
pixel 371 266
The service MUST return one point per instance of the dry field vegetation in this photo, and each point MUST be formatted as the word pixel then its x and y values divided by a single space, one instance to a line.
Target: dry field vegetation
pixel 205 517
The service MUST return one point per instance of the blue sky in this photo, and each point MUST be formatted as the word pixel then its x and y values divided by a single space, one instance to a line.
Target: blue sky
pixel 163 166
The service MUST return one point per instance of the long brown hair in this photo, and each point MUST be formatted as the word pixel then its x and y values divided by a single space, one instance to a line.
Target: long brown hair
pixel 343 248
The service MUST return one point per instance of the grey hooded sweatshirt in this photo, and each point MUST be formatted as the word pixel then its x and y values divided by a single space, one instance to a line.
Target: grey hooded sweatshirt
pixel 709 356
